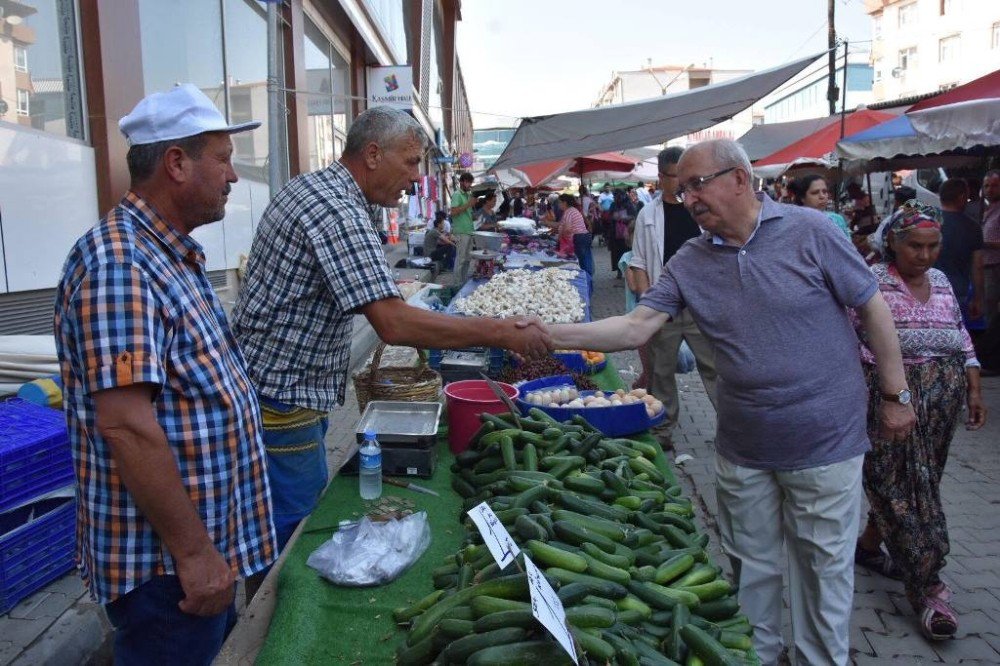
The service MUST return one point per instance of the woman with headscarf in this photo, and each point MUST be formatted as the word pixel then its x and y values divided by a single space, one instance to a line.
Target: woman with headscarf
pixel 622 215
pixel 902 479
pixel 812 192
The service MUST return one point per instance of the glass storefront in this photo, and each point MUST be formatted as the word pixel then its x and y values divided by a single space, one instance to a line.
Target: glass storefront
pixel 328 86
pixel 40 84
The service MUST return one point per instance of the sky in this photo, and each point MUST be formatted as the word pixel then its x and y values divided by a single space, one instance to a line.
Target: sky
pixel 535 57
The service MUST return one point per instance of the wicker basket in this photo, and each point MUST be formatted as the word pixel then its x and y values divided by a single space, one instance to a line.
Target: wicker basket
pixel 413 384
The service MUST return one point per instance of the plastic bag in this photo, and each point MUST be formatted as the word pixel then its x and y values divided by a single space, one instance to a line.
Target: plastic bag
pixel 369 553
pixel 685 359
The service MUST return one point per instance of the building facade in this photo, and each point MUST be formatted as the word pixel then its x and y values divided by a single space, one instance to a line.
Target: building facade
pixel 69 69
pixel 805 96
pixel 656 81
pixel 924 46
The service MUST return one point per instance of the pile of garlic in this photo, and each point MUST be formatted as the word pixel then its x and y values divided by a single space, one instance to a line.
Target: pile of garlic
pixel 569 397
pixel 547 293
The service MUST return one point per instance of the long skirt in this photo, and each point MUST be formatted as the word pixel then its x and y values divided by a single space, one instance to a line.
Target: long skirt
pixel 903 479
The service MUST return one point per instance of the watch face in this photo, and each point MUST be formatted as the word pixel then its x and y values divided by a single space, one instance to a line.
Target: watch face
pixel 904 397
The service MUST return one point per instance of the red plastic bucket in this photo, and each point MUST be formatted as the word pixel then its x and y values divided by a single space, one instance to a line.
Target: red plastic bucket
pixel 466 400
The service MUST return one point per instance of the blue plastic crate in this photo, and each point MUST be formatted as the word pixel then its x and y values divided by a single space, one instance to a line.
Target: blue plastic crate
pixel 35 455
pixel 37 546
pixel 611 421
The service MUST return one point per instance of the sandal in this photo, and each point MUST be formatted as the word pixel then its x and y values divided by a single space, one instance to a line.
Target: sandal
pixel 938 621
pixel 878 561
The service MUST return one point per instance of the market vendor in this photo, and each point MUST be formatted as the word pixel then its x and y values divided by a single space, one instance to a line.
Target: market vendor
pixel 462 226
pixel 438 244
pixel 574 237
pixel 768 284
pixel 315 262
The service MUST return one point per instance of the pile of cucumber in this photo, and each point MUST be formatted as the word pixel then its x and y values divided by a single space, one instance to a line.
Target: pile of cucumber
pixel 620 548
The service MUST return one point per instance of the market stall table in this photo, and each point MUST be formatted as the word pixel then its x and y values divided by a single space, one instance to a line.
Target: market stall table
pixel 581 282
pixel 316 622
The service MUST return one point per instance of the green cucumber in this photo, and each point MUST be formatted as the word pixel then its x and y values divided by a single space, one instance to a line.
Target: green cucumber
pixel 590 616
pixel 711 591
pixel 600 601
pixel 632 602
pixel 530 457
pixel 642 466
pixel 519 654
pixel 591 508
pixel 664 598
pixel 582 483
pixel 539 492
pixel 511 618
pixel 515 586
pixel 615 559
pixel 703 573
pixel 735 641
pixel 457 628
pixel 675 647
pixel 592 646
pixel 624 652
pixel 609 528
pixel 572 594
pixel 630 502
pixel 677 537
pixel 461 650
pixel 720 609
pixel 577 535
pixel 597 568
pixel 630 616
pixel 418 653
pixel 551 556
pixel 673 568
pixel 711 651
pixel 486 605
pixel 598 586
pixel 649 656
pixel 528 528
pixel 403 615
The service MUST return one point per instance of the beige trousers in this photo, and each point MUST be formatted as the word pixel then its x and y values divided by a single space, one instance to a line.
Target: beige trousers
pixel 463 245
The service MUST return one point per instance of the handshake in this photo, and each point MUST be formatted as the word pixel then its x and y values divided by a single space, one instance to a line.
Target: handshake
pixel 526 336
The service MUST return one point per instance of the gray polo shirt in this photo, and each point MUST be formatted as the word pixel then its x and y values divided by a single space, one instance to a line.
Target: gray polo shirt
pixel 791 393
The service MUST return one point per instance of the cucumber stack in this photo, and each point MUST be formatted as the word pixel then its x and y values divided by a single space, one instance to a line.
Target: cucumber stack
pixel 620 548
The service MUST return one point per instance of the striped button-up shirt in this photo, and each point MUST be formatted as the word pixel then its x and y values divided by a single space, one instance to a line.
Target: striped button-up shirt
pixel 315 260
pixel 134 305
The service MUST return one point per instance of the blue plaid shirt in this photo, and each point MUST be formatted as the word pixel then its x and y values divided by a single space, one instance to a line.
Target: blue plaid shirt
pixel 315 260
pixel 134 306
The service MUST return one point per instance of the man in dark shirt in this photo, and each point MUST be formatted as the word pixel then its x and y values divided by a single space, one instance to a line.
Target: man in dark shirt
pixel 661 228
pixel 961 257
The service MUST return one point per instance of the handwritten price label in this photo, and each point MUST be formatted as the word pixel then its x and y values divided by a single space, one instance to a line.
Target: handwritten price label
pixel 496 536
pixel 548 609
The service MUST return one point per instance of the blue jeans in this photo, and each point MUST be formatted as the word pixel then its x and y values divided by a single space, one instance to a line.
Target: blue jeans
pixel 151 629
pixel 583 248
pixel 296 462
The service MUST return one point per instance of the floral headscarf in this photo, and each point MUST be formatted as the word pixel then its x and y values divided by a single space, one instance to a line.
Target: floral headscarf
pixel 911 215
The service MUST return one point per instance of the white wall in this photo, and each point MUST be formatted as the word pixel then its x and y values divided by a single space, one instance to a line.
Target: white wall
pixel 48 198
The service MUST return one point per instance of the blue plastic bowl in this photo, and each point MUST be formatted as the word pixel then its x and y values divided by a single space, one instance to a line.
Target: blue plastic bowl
pixel 612 421
pixel 575 362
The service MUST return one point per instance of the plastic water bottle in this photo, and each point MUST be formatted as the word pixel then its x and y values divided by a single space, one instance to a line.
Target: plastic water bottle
pixel 370 467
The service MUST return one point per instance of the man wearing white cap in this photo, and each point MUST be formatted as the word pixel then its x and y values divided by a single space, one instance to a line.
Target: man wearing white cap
pixel 173 498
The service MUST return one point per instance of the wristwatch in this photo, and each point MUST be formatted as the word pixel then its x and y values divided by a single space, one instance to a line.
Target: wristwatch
pixel 903 397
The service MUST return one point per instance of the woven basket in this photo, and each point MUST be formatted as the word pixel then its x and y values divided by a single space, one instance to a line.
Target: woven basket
pixel 413 384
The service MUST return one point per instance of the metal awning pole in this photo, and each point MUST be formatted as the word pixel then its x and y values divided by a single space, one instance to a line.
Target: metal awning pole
pixel 274 124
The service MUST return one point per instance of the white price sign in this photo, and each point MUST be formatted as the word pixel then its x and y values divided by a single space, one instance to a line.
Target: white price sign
pixel 548 609
pixel 496 536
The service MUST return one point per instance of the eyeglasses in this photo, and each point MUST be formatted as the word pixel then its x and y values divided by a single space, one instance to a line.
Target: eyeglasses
pixel 697 183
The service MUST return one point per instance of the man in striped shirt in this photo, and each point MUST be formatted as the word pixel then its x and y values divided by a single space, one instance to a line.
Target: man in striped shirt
pixel 173 498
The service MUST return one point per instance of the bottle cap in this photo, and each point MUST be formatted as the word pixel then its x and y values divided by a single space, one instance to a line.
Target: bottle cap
pixel 369 435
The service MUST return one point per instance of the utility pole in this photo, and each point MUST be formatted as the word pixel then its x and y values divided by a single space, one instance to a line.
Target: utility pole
pixel 831 43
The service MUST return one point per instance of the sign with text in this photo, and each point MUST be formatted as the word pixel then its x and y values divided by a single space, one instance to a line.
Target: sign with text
pixel 496 536
pixel 548 609
pixel 391 86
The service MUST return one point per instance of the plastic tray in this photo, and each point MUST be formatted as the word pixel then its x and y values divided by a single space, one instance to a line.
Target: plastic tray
pixel 37 544
pixel 35 456
pixel 612 421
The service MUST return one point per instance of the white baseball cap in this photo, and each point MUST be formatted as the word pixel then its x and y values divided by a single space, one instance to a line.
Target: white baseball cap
pixel 176 114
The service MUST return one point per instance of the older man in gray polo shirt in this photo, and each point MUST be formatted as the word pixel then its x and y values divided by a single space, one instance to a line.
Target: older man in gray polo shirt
pixel 769 285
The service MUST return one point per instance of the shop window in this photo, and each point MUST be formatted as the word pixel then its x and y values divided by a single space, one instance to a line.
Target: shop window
pixel 42 88
pixel 328 86
pixel 907 59
pixel 191 54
